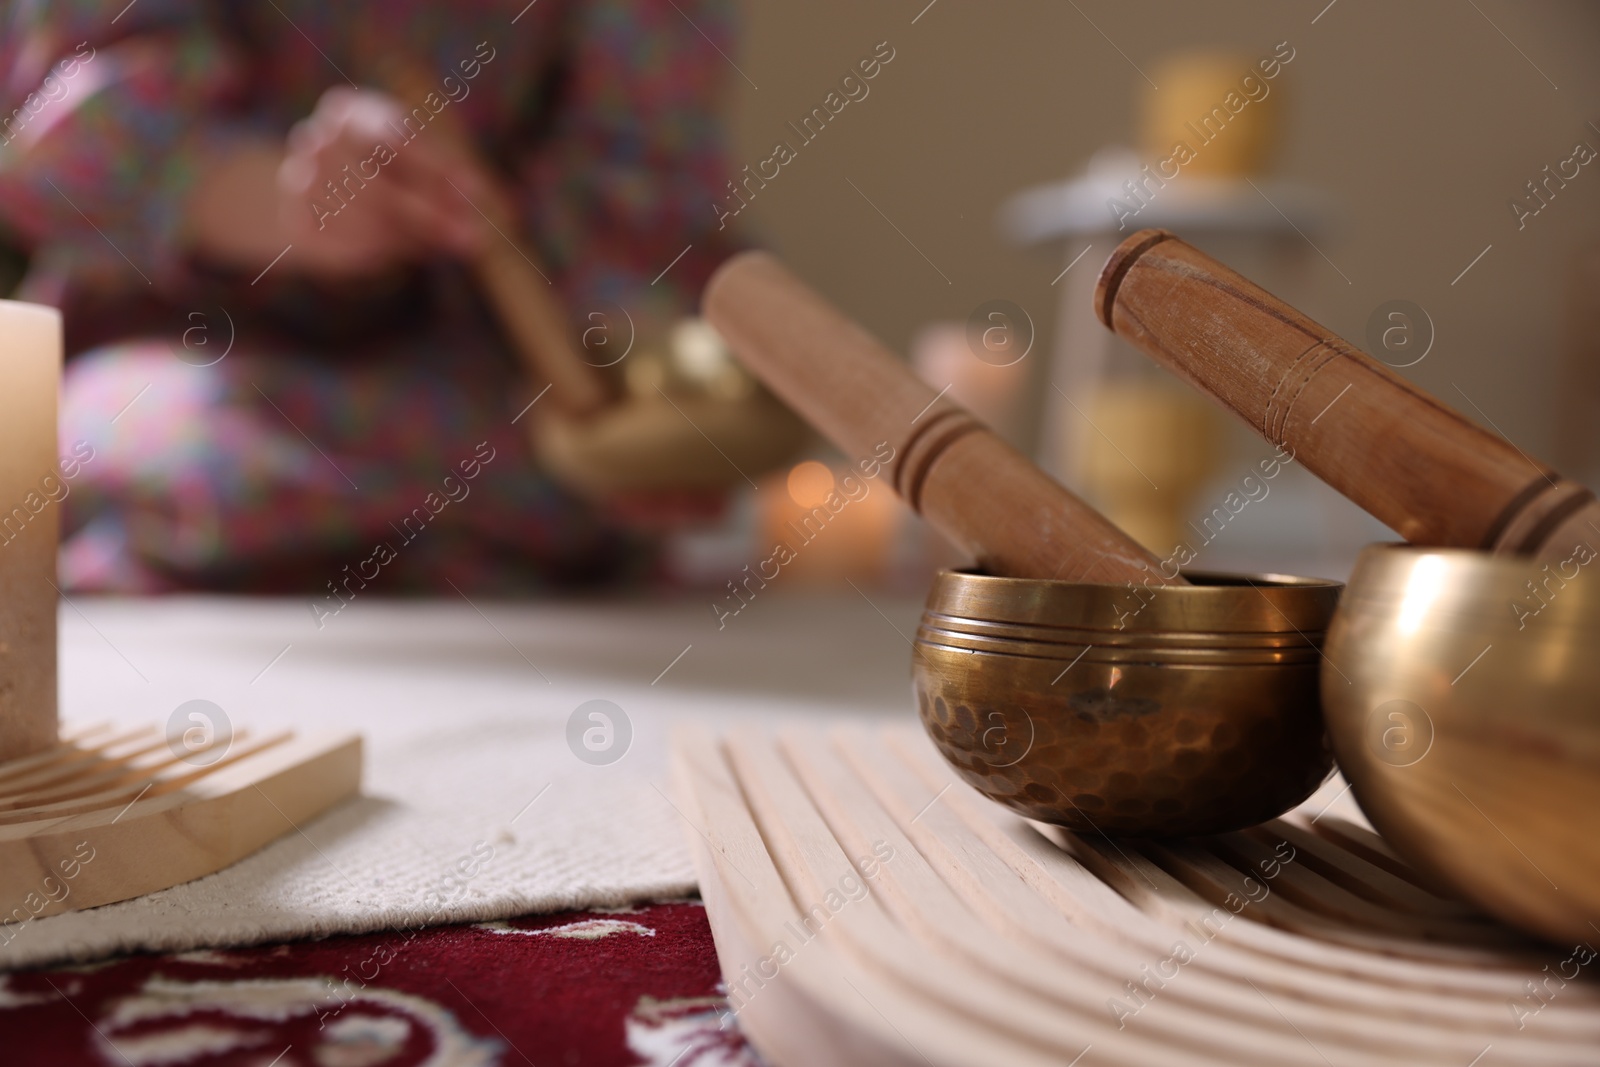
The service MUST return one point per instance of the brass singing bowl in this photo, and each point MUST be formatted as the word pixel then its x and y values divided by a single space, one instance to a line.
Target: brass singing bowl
pixel 1164 712
pixel 1463 700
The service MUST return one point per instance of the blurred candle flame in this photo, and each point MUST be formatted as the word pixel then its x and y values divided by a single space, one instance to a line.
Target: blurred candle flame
pixel 810 483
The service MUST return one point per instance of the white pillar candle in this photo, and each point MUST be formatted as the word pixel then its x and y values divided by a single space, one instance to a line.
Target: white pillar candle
pixel 30 518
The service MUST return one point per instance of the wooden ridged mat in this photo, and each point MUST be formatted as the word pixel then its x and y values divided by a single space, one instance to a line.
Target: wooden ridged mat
pixel 983 939
pixel 110 813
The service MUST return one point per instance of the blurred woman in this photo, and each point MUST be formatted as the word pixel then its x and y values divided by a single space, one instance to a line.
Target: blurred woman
pixel 281 365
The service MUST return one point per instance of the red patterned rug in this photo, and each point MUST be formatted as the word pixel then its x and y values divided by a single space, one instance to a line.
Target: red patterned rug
pixel 627 987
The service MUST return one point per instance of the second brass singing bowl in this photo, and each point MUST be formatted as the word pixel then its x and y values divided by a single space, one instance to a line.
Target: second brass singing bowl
pixel 1180 710
pixel 1463 700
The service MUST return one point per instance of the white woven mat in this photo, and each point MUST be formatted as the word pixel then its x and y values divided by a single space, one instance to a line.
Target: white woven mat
pixel 464 713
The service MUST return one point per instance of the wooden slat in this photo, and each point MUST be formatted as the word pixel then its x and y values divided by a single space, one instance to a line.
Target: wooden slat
pixel 1320 973
pixel 129 818
pixel 987 939
pixel 1363 877
pixel 822 1007
pixel 1035 939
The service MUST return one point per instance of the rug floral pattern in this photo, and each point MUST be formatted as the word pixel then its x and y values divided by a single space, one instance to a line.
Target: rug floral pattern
pixel 638 986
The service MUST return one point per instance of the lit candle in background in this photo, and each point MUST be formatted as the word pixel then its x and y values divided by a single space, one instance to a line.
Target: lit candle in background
pixel 836 524
pixel 30 516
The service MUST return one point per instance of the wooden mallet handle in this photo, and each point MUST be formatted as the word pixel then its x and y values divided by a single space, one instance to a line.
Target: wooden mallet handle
pixel 1419 466
pixel 516 287
pixel 978 491
pixel 538 327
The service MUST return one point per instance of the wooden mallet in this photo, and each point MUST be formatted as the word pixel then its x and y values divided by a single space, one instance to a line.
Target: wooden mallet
pixel 1417 465
pixel 973 487
pixel 589 437
pixel 515 284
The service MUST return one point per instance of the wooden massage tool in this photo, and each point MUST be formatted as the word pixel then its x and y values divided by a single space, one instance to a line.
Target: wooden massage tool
pixel 659 435
pixel 1111 699
pixel 94 813
pixel 1420 467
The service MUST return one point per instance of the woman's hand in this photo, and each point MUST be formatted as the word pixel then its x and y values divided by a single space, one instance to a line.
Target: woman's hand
pixel 360 190
pixel 391 201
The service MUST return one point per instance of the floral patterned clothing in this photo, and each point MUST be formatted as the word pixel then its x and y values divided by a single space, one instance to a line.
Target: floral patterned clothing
pixel 253 433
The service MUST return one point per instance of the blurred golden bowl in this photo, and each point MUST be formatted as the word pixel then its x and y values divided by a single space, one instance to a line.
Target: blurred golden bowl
pixel 689 442
pixel 1463 700
pixel 1158 712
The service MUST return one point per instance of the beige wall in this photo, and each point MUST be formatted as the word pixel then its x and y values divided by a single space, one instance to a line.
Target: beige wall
pixel 1420 118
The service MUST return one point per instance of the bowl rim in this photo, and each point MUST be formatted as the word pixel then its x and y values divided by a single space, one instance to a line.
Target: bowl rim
pixel 1207 579
pixel 1478 588
pixel 1219 602
pixel 1477 557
